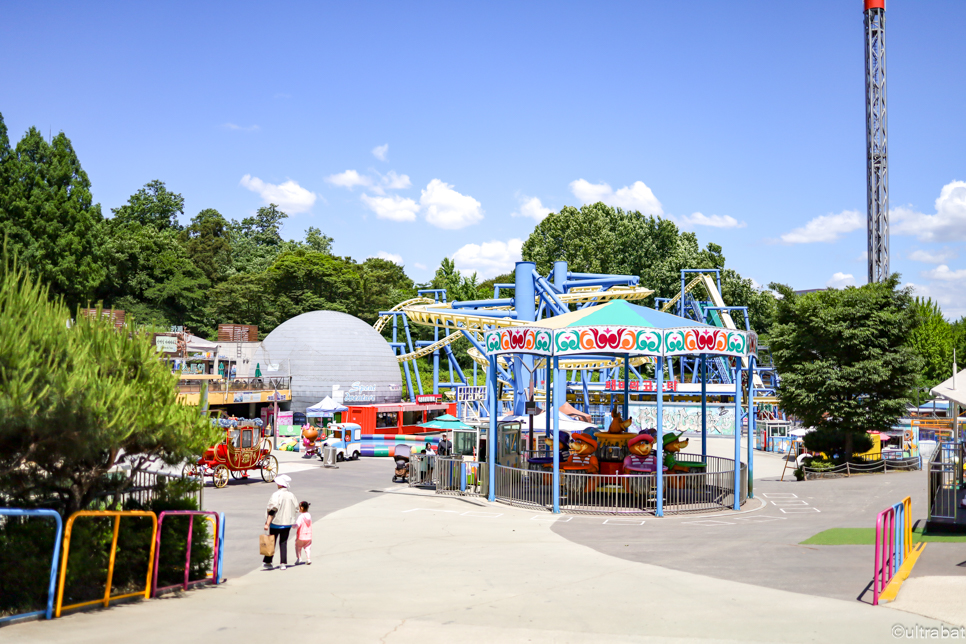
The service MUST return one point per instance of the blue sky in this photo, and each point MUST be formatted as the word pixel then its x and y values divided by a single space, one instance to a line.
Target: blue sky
pixel 420 130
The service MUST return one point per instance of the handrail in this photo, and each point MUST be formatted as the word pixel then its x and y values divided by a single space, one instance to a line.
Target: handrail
pixel 20 512
pixel 893 543
pixel 191 514
pixel 106 600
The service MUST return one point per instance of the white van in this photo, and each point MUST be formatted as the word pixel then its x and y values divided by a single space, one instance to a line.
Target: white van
pixel 346 438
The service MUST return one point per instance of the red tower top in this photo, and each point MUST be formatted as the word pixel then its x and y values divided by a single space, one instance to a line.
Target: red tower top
pixel 874 4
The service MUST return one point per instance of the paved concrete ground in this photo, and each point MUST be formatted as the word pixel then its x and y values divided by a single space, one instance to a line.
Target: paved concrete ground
pixel 413 567
pixel 405 565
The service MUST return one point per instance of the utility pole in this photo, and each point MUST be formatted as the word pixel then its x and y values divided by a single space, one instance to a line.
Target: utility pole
pixel 877 158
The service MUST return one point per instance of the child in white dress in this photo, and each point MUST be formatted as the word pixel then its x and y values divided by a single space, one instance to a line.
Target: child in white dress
pixel 303 535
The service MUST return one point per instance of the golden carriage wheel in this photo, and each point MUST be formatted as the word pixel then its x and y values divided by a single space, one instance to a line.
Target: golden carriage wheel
pixel 269 468
pixel 236 474
pixel 220 476
pixel 189 471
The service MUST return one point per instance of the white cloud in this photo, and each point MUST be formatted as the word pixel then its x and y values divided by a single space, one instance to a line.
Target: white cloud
pixel 841 280
pixel 349 179
pixel 394 208
pixel 827 228
pixel 392 257
pixel 380 151
pixel 933 257
pixel 531 207
pixel 637 196
pixel 949 294
pixel 421 267
pixel 490 258
pixel 393 181
pixel 715 221
pixel 289 196
pixel 446 208
pixel 232 126
pixel 944 274
pixel 948 224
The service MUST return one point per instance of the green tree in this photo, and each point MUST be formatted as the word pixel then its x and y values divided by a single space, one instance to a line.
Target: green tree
pixel 844 359
pixel 933 340
pixel 48 216
pixel 206 240
pixel 76 398
pixel 153 205
pixel 245 298
pixel 316 241
pixel 458 287
pixel 150 266
pixel 383 285
pixel 308 281
pixel 257 241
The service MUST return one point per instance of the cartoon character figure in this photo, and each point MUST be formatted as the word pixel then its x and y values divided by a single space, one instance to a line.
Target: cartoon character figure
pixel 618 425
pixel 639 461
pixel 672 445
pixel 582 459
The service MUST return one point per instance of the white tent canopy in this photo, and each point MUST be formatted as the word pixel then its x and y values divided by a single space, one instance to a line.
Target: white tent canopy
pixel 953 389
pixel 325 408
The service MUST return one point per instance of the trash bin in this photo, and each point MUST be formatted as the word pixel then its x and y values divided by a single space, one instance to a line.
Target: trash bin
pixel 329 456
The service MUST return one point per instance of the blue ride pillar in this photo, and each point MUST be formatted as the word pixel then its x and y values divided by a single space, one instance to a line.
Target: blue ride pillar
pixel 659 444
pixel 751 425
pixel 704 408
pixel 737 374
pixel 560 274
pixel 491 437
pixel 559 390
pixel 524 299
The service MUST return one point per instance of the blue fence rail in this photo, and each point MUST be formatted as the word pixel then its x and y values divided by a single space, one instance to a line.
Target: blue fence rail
pixel 52 587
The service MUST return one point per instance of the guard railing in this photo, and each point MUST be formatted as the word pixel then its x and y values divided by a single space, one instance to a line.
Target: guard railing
pixel 218 522
pixel 54 560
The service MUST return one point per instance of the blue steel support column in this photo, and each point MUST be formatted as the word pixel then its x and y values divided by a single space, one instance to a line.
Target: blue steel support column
pixel 524 301
pixel 751 425
pixel 491 437
pixel 704 408
pixel 412 347
pixel 659 443
pixel 560 274
pixel 627 387
pixel 548 397
pixel 737 373
pixel 559 389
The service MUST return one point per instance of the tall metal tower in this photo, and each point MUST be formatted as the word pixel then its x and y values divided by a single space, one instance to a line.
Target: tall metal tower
pixel 877 159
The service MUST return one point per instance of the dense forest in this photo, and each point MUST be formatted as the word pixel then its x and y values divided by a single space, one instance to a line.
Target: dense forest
pixel 217 270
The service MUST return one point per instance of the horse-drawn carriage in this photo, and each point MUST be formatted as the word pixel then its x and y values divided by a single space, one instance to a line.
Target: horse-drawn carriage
pixel 244 448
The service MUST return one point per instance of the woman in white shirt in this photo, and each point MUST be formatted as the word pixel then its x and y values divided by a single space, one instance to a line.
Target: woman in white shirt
pixel 282 511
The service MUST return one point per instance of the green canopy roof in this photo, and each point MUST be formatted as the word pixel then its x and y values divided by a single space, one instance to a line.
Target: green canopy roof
pixel 445 422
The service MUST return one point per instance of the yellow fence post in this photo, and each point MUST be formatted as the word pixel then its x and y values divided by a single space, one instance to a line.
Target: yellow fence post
pixel 106 600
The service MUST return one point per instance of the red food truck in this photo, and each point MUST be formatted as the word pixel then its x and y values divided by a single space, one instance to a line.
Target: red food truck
pixel 399 418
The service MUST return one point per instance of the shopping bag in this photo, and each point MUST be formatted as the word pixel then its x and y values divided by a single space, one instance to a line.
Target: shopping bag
pixel 266 545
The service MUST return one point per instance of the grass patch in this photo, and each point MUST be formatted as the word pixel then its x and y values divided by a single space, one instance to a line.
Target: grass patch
pixel 866 537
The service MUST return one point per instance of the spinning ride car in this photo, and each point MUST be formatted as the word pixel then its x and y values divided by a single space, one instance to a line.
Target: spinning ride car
pixel 244 449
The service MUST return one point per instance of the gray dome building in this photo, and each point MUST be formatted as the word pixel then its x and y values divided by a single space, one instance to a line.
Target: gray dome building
pixel 333 354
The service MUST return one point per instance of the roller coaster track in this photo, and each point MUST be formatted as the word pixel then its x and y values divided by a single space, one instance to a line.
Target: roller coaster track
pixel 453 320
pixel 425 351
pixel 580 295
pixel 569 365
pixel 384 319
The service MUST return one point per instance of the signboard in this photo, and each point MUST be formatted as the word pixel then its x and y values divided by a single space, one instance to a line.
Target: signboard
pixel 428 399
pixel 617 386
pixel 685 417
pixel 359 393
pixel 166 343
pixel 470 393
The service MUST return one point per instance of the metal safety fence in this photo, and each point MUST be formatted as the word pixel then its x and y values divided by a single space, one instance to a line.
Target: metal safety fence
pixel 108 597
pixel 945 472
pixel 893 542
pixel 457 477
pixel 711 488
pixel 422 470
pixel 54 560
pixel 213 517
pixel 880 466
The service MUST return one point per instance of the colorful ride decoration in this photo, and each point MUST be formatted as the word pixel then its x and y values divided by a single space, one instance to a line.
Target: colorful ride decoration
pixel 218 521
pixel 107 598
pixel 622 328
pixel 244 449
pixel 582 458
pixel 894 554
pixel 618 425
pixel 48 613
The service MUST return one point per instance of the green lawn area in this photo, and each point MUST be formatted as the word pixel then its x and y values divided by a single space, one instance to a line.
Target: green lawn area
pixel 866 537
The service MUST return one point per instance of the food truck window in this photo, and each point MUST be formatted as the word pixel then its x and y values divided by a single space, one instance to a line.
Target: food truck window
pixel 246 438
pixel 387 419
pixel 413 417
pixel 433 413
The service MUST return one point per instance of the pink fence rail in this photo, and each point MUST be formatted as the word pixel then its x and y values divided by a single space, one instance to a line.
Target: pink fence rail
pixel 215 518
pixel 893 541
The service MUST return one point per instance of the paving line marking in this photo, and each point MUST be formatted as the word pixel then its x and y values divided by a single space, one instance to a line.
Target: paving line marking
pixel 798 510
pixel 780 495
pixel 789 502
pixel 759 519
pixel 708 523
pixel 622 522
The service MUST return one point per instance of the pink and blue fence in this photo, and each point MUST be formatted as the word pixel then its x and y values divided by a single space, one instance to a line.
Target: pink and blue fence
pixel 893 541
